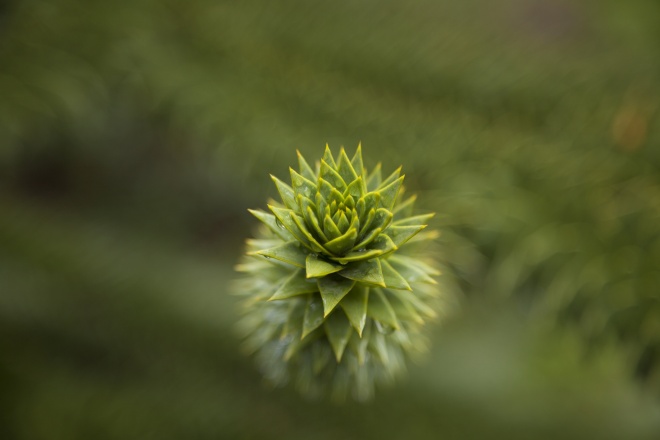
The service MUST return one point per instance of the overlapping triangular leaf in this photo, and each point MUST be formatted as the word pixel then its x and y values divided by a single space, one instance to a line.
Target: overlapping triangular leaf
pixel 355 306
pixel 379 308
pixel 317 267
pixel 295 285
pixel 365 271
pixel 339 331
pixel 290 252
pixel 333 288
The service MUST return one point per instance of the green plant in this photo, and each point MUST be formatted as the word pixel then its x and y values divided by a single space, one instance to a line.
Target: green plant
pixel 339 279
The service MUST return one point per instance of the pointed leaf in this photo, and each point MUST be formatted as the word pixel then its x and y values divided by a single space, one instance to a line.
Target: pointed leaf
pixel 284 216
pixel 313 315
pixel 317 267
pixel 379 308
pixel 367 272
pixel 391 178
pixel 355 189
pixel 371 236
pixel 296 314
pixel 404 310
pixel 415 302
pixel 388 193
pixel 355 307
pixel 401 234
pixel 310 217
pixel 327 157
pixel 414 220
pixel 286 193
pixel 330 175
pixel 405 208
pixel 291 252
pixel 366 204
pixel 345 168
pixel 339 331
pixel 305 170
pixel 356 161
pixel 302 185
pixel 357 256
pixel 393 279
pixel 271 221
pixel 365 223
pixel 382 219
pixel 330 228
pixel 374 179
pixel 333 288
pixel 412 270
pixel 295 285
pixel 383 243
pixel 300 223
pixel 343 243
pixel 342 222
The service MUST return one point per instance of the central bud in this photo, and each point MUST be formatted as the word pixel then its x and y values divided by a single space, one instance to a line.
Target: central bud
pixel 332 212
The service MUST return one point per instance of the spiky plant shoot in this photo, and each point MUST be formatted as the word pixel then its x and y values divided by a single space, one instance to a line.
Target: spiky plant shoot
pixel 338 282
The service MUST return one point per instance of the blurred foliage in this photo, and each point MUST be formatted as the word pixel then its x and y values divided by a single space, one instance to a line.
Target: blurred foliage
pixel 134 135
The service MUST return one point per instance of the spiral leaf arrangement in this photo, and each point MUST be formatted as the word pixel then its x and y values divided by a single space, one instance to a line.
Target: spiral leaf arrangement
pixel 339 281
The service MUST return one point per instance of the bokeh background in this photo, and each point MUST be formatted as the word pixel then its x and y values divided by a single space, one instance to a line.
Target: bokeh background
pixel 134 135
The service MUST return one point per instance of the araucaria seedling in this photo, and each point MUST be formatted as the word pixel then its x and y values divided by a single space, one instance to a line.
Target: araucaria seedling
pixel 338 282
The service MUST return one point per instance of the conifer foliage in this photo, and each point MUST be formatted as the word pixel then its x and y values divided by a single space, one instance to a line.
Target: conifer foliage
pixel 338 282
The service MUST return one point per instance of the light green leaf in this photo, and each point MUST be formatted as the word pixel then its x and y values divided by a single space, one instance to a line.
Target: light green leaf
pixel 374 179
pixel 342 222
pixel 355 189
pixel 412 299
pixel 296 314
pixel 367 271
pixel 401 234
pixel 317 267
pixel 345 168
pixel 357 256
pixel 286 193
pixel 382 219
pixel 356 161
pixel 403 309
pixel 271 221
pixel 343 243
pixel 310 217
pixel 305 170
pixel 313 315
pixel 295 285
pixel 389 193
pixel 333 288
pixel 366 204
pixel 339 331
pixel 285 218
pixel 324 189
pixel 365 223
pixel 415 220
pixel 371 236
pixel 393 279
pixel 405 208
pixel 391 178
pixel 332 176
pixel 355 307
pixel 380 309
pixel 300 222
pixel 327 157
pixel 330 228
pixel 291 252
pixel 383 243
pixel 412 269
pixel 301 185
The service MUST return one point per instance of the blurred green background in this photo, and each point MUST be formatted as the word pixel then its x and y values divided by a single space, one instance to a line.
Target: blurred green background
pixel 134 135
